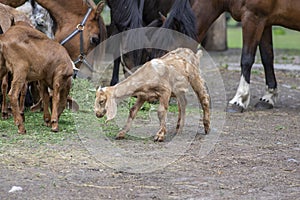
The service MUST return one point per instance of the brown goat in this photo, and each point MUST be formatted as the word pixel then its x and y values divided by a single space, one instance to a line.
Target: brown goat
pixel 7 16
pixel 171 75
pixel 31 56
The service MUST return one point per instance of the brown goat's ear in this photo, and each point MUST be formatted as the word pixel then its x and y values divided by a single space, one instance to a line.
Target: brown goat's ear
pixel 111 108
pixel 100 7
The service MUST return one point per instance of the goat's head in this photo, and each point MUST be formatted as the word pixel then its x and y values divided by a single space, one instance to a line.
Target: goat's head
pixel 105 103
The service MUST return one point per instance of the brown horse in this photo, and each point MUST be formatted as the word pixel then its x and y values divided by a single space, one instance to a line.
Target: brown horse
pixel 67 16
pixel 257 18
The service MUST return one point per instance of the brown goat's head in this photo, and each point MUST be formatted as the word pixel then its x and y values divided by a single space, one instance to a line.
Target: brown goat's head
pixel 96 31
pixel 105 103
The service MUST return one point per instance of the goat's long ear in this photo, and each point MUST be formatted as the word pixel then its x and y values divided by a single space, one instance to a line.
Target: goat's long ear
pixel 111 108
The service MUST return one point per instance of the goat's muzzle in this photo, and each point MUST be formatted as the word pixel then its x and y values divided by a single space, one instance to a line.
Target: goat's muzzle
pixel 100 114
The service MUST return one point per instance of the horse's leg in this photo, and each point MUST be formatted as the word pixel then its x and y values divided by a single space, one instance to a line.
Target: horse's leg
pixel 132 113
pixel 267 57
pixel 115 75
pixel 252 32
pixel 4 87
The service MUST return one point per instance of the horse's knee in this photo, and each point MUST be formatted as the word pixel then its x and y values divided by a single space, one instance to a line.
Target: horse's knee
pixel 246 64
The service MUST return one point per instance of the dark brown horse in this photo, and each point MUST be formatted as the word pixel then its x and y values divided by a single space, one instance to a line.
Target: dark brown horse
pixel 131 14
pixel 257 18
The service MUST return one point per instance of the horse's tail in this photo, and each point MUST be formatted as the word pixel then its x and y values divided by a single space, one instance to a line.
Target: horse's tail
pixel 182 17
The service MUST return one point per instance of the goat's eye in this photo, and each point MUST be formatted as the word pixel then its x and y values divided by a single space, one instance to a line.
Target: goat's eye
pixel 102 102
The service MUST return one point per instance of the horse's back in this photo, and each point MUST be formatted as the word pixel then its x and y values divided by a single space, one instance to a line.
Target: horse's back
pixel 277 12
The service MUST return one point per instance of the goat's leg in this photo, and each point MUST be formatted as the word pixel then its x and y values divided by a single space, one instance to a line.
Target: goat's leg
pixel 37 92
pixel 198 86
pixel 162 114
pixel 22 100
pixel 55 104
pixel 4 86
pixel 14 92
pixel 45 99
pixel 181 112
pixel 132 113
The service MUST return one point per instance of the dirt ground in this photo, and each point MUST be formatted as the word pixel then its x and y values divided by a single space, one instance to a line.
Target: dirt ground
pixel 256 156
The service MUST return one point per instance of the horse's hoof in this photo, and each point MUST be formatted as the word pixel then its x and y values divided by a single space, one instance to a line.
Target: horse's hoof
pixel 263 105
pixel 233 108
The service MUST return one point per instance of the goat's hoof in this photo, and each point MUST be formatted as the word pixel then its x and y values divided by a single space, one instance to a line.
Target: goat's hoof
pixel 263 105
pixel 4 115
pixel 21 130
pixel 48 124
pixel 55 129
pixel 158 138
pixel 206 130
pixel 120 136
pixel 233 108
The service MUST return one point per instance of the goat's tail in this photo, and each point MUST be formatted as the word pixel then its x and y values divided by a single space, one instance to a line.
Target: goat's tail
pixel 199 53
pixel 199 87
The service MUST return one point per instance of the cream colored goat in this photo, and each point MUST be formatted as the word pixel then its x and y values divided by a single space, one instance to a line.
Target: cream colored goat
pixel 170 75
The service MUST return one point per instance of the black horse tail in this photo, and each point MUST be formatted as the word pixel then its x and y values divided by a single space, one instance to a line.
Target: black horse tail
pixel 182 19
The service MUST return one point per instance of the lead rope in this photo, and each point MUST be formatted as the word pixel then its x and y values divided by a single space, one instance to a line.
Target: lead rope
pixel 79 29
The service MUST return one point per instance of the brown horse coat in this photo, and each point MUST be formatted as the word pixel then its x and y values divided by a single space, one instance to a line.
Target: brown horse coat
pixel 257 18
